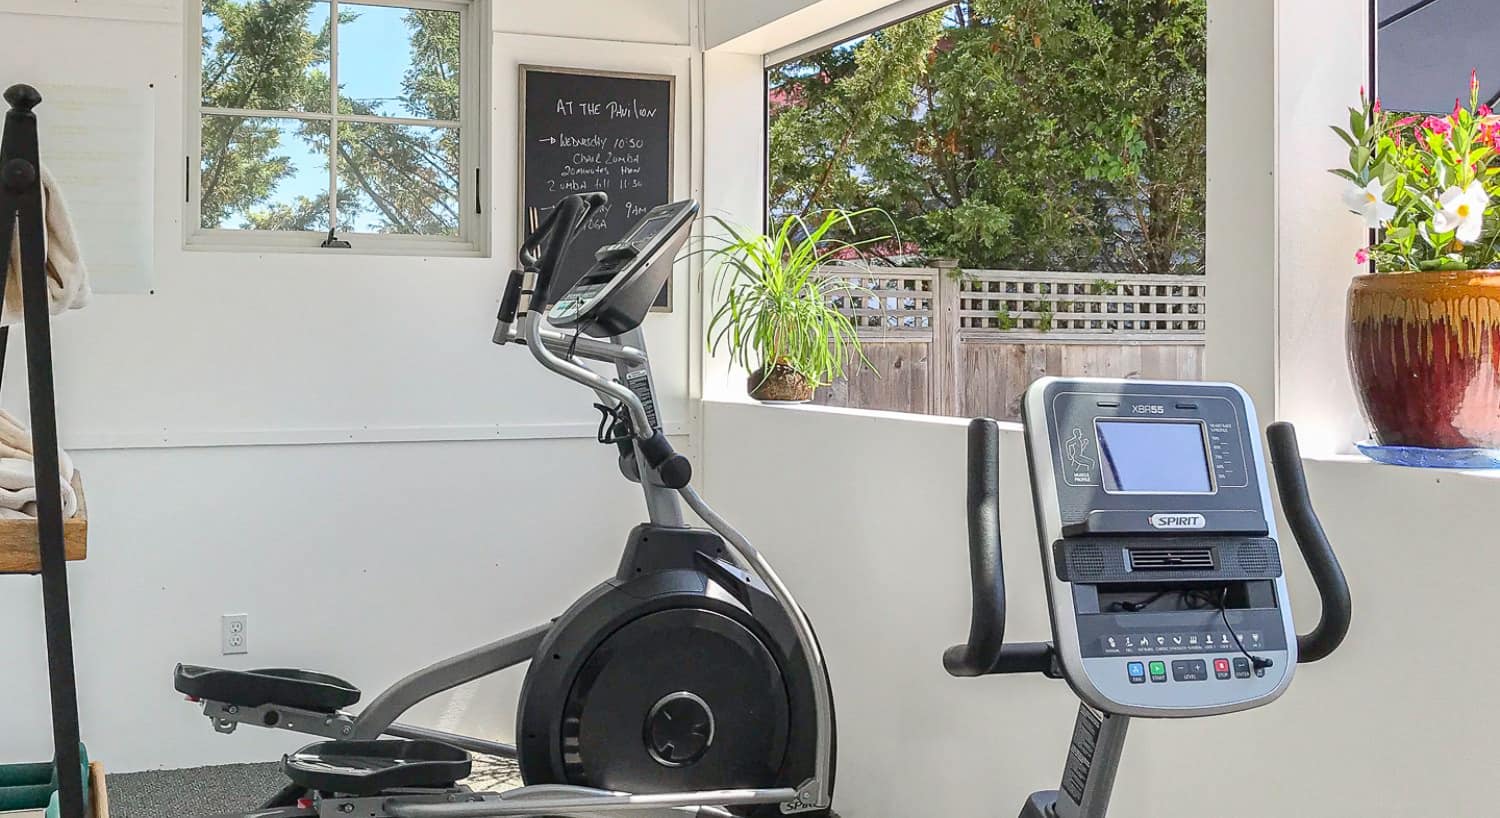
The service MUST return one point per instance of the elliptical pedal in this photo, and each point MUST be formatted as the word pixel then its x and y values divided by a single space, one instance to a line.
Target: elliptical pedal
pixel 282 687
pixel 364 768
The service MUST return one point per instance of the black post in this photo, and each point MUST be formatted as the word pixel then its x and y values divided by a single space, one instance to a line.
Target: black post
pixel 21 200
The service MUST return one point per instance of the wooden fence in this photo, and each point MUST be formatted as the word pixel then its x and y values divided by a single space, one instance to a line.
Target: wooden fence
pixel 968 344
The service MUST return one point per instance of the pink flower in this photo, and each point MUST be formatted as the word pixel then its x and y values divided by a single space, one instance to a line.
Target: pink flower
pixel 1362 256
pixel 1441 127
pixel 1402 123
pixel 1483 110
pixel 1377 105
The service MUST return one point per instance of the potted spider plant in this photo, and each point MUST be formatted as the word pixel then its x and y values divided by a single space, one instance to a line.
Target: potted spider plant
pixel 776 314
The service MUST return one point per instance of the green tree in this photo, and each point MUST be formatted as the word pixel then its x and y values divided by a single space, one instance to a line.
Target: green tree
pixel 1039 134
pixel 260 54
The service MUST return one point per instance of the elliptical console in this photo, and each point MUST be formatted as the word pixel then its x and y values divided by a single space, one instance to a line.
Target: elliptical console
pixel 1161 560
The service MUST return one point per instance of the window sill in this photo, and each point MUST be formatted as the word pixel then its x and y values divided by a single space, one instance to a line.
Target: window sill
pixel 259 245
pixel 864 414
pixel 1352 465
pixel 1358 463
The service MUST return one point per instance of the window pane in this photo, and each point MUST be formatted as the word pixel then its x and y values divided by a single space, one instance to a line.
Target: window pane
pixel 398 62
pixel 261 173
pixel 268 55
pixel 398 179
pixel 1040 169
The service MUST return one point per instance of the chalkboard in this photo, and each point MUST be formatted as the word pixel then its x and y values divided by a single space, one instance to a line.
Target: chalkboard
pixel 596 130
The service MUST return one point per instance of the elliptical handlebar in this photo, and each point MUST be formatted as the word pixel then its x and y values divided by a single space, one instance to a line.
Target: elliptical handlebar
pixel 1328 576
pixel 986 652
pixel 553 239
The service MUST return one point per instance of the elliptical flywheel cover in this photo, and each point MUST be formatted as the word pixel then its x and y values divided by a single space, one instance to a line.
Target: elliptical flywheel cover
pixel 683 698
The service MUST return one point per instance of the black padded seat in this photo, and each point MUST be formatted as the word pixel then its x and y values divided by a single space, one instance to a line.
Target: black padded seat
pixel 283 687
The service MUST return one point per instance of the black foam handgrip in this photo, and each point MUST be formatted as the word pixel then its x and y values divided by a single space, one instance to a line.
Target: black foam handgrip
pixel 981 654
pixel 511 301
pixel 555 237
pixel 675 470
pixel 1327 574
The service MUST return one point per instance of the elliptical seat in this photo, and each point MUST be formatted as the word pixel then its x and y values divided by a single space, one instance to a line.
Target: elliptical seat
pixel 283 687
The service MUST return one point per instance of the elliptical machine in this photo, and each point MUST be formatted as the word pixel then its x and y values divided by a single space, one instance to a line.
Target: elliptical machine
pixel 690 682
pixel 1162 564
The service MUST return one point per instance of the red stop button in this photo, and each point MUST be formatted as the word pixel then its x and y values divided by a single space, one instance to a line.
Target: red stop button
pixel 1221 668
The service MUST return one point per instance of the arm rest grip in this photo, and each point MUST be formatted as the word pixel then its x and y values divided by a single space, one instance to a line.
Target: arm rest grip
pixel 1328 576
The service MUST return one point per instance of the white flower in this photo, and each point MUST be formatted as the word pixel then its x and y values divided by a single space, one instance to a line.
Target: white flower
pixel 1462 211
pixel 1369 201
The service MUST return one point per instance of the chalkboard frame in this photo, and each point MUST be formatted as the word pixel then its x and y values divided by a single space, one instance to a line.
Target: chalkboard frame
pixel 670 79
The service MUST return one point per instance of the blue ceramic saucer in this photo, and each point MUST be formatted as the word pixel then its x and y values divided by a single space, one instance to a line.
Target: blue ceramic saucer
pixel 1430 458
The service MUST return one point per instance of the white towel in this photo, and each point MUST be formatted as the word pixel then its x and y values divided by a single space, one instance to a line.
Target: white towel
pixel 67 277
pixel 18 472
pixel 18 486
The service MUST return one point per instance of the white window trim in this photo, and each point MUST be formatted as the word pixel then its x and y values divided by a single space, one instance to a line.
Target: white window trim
pixel 864 24
pixel 473 239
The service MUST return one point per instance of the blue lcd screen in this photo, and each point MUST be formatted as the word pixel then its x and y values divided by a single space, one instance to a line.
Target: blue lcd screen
pixel 1154 456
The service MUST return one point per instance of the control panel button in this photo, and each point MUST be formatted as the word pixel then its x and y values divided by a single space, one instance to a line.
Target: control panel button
pixel 1241 668
pixel 1190 670
pixel 1158 671
pixel 1137 673
pixel 1221 668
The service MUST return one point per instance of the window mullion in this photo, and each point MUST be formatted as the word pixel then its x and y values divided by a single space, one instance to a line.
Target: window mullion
pixel 333 127
pixel 260 113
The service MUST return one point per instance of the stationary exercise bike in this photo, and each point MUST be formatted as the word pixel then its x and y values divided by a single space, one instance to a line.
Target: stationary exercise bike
pixel 689 683
pixel 1161 559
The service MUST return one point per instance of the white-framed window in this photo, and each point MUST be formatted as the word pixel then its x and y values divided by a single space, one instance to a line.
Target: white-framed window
pixel 1038 173
pixel 333 125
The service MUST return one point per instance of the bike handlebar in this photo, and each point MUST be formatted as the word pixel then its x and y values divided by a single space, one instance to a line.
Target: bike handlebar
pixel 986 653
pixel 1328 576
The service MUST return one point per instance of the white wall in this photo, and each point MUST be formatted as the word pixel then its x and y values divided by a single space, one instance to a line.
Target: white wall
pixel 1319 77
pixel 1240 248
pixel 415 537
pixel 872 540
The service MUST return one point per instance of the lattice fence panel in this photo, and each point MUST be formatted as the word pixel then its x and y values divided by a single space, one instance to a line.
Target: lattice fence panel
pixel 893 302
pixel 1141 306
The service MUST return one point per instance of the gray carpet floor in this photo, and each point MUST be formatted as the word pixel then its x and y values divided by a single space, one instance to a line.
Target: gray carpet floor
pixel 211 791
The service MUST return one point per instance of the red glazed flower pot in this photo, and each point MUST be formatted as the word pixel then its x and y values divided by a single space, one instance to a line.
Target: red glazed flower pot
pixel 1424 352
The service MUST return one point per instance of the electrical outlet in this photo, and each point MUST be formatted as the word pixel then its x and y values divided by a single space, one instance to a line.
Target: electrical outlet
pixel 234 633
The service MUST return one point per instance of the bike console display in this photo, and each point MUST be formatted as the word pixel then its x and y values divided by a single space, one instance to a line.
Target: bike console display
pixel 615 294
pixel 1159 546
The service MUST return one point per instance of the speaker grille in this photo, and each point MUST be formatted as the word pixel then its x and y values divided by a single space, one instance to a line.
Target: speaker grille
pixel 1171 559
pixel 1257 558
pixel 1153 559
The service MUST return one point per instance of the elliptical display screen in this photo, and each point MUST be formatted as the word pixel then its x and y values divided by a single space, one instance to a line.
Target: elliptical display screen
pixel 1154 457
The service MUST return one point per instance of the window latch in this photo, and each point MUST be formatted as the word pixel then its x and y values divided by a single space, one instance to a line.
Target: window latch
pixel 334 242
